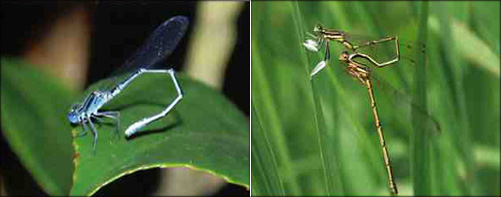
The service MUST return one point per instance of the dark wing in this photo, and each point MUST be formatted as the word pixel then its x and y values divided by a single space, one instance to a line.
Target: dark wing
pixel 161 43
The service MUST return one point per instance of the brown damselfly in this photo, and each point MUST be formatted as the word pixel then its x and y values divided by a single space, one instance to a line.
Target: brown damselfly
pixel 360 71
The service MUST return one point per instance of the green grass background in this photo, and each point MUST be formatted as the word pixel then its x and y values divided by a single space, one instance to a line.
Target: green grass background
pixel 317 137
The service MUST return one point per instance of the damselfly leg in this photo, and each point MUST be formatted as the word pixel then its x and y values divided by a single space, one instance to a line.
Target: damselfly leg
pixel 115 115
pixel 132 129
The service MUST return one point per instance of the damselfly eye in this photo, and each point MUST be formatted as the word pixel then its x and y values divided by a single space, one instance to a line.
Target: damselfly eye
pixel 73 117
pixel 343 56
pixel 317 28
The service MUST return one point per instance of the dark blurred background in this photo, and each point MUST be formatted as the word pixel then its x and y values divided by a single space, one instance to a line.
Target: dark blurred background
pixel 111 33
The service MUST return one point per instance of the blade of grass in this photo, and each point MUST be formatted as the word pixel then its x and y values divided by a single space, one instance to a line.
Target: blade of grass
pixel 421 147
pixel 320 125
pixel 262 99
pixel 265 177
pixel 455 72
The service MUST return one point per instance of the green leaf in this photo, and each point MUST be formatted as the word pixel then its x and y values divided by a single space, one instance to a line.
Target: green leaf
pixel 34 108
pixel 203 132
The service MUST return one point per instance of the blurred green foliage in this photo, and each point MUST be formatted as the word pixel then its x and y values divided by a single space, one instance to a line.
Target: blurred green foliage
pixel 317 137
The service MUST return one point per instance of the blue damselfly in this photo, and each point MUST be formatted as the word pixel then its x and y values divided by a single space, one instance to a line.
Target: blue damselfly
pixel 161 43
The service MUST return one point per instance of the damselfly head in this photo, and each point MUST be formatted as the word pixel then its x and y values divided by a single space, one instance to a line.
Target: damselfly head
pixel 343 56
pixel 318 28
